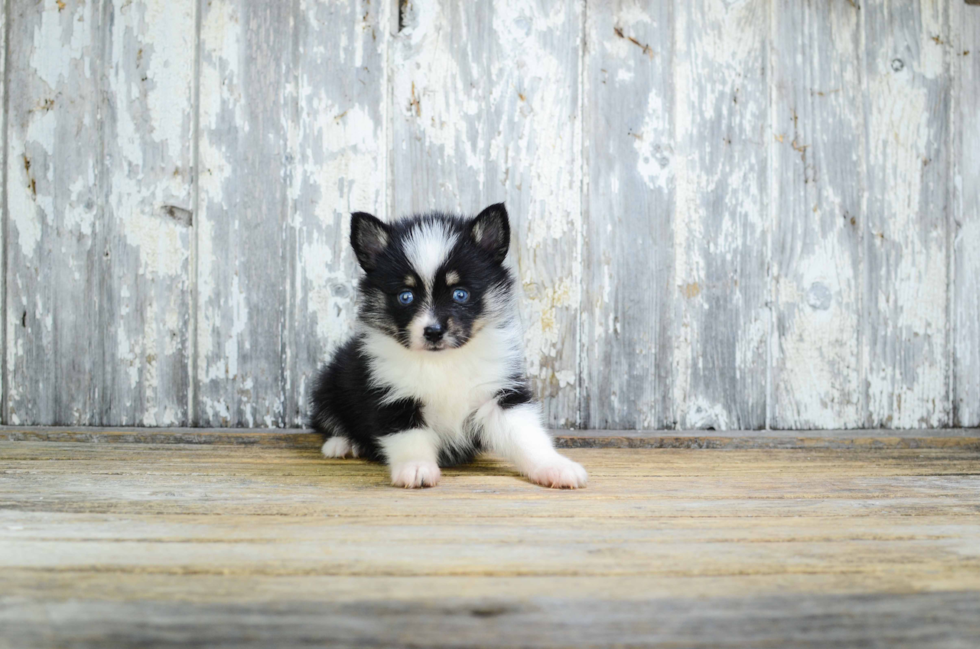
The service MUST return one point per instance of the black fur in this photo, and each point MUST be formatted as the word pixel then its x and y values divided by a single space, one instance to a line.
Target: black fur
pixel 453 456
pixel 343 401
pixel 516 396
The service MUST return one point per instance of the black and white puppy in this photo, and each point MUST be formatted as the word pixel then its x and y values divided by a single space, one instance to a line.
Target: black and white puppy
pixel 435 372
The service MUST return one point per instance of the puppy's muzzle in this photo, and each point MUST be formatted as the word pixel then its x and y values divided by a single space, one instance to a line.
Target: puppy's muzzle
pixel 433 333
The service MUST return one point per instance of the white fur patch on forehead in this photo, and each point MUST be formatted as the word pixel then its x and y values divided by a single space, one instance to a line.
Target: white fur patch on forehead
pixel 427 246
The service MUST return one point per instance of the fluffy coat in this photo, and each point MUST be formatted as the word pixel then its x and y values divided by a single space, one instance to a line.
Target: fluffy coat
pixel 434 374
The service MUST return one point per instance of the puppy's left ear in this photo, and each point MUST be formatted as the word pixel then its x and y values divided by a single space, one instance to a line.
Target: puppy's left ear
pixel 491 231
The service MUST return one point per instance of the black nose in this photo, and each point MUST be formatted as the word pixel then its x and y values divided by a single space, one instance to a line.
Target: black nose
pixel 433 333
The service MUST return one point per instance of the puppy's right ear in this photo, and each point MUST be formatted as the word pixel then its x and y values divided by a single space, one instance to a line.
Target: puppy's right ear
pixel 369 236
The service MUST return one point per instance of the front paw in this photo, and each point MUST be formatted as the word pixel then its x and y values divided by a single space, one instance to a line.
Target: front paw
pixel 413 475
pixel 339 447
pixel 559 473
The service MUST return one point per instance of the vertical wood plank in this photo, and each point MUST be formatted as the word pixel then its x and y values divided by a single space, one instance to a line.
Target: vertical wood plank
pixel 246 70
pixel 56 253
pixel 907 120
pixel 817 215
pixel 339 142
pixel 3 212
pixel 148 211
pixel 965 59
pixel 440 92
pixel 627 312
pixel 721 104
pixel 485 107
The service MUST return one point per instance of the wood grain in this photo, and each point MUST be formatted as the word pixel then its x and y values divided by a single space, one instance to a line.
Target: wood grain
pixel 942 620
pixel 247 73
pixel 138 543
pixel 3 213
pixel 817 215
pixel 726 216
pixel 149 198
pixel 720 220
pixel 964 151
pixel 485 108
pixel 98 284
pixel 57 246
pixel 906 112
pixel 628 338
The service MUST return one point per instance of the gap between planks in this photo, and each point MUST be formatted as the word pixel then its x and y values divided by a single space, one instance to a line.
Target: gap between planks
pixel 965 438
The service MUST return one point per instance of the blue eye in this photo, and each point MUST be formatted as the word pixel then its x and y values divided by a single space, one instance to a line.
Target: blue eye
pixel 406 297
pixel 461 295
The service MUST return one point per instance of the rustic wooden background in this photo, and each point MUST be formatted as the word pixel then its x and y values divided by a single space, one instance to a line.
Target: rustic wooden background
pixel 728 214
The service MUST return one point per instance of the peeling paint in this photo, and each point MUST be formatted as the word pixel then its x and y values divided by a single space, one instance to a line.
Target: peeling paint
pixel 24 213
pixel 816 205
pixel 52 254
pixel 775 200
pixel 148 134
pixel 905 344
pixel 48 63
pixel 719 218
pixel 965 270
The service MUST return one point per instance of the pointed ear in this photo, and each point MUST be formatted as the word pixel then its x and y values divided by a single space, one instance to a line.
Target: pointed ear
pixel 491 231
pixel 369 236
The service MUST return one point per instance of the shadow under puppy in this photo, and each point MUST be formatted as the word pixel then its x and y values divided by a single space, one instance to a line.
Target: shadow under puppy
pixel 435 372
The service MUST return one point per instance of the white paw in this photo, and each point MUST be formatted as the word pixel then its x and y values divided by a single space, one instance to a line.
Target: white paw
pixel 339 447
pixel 559 473
pixel 413 475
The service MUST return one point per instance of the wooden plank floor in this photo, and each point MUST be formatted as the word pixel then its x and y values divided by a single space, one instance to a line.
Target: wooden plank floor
pixel 105 545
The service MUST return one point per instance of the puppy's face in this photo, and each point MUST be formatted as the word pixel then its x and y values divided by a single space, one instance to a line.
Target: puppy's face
pixel 432 281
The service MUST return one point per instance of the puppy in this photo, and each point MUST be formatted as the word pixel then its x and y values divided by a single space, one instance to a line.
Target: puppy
pixel 435 372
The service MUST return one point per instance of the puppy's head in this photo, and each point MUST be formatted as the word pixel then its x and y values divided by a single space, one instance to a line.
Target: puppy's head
pixel 433 281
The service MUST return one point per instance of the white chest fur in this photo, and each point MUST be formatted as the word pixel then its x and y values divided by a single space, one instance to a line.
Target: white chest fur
pixel 450 384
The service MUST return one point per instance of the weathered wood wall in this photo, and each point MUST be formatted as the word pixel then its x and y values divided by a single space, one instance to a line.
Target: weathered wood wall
pixel 749 214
